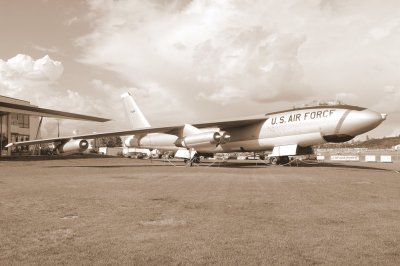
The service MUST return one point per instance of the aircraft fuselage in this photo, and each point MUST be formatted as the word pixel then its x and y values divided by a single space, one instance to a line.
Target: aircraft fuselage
pixel 303 127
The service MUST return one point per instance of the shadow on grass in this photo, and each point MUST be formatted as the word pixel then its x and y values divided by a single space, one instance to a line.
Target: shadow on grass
pixel 108 166
pixel 53 157
pixel 300 164
pixel 229 165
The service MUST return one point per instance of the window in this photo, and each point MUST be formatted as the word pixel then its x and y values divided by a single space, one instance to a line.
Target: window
pixel 20 120
pixel 26 121
pixel 17 138
pixel 14 119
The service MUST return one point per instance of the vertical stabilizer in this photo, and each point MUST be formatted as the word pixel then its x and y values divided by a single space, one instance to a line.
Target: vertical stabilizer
pixel 136 117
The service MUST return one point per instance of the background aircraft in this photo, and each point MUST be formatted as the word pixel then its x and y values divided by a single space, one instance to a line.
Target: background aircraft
pixel 287 133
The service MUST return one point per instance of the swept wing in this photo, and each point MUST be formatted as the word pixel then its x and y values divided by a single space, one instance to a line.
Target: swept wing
pixel 223 125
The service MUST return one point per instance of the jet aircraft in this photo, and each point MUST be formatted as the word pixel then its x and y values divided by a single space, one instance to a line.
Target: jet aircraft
pixel 287 133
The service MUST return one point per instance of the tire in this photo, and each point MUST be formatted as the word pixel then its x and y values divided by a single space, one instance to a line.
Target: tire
pixel 279 160
pixel 274 160
pixel 196 159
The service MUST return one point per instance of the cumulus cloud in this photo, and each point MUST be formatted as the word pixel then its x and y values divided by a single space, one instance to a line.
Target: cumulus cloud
pixel 22 74
pixel 202 53
pixel 227 57
pixel 37 81
pixel 24 66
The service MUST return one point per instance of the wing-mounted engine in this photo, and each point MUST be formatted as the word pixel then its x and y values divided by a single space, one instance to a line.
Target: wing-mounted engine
pixel 73 146
pixel 203 140
pixel 188 137
pixel 225 137
pixel 133 141
pixel 200 139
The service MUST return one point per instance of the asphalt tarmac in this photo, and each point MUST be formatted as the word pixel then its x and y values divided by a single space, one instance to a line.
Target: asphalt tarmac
pixel 115 211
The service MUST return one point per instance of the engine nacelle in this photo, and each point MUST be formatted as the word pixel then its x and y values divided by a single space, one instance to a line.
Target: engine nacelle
pixel 73 146
pixel 132 142
pixel 225 137
pixel 203 139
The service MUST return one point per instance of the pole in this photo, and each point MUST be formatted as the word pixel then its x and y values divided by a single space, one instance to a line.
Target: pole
pixel 1 135
pixel 9 133
pixel 37 134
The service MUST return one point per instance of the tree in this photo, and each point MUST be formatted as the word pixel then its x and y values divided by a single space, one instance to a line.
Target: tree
pixel 109 142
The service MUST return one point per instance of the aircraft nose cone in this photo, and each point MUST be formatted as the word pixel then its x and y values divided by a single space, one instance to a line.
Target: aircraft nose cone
pixel 359 122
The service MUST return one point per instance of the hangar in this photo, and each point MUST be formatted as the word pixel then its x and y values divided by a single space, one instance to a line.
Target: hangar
pixel 21 121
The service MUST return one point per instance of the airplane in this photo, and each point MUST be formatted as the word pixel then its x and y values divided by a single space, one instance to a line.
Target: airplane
pixel 290 132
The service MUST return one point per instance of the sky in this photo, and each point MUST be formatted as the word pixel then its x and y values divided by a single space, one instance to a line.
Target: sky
pixel 192 61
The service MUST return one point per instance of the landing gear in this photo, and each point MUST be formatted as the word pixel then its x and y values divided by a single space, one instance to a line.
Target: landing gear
pixel 279 160
pixel 195 159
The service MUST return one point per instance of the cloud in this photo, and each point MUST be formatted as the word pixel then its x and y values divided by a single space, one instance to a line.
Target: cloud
pixel 51 49
pixel 223 58
pixel 21 72
pixel 71 21
pixel 24 66
pixel 224 96
pixel 390 99
pixel 203 53
pixel 37 81
pixel 385 29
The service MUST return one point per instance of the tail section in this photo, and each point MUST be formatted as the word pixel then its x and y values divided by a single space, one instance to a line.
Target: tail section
pixel 136 117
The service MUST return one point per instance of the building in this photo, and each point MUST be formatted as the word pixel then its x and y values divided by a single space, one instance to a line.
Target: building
pixel 21 121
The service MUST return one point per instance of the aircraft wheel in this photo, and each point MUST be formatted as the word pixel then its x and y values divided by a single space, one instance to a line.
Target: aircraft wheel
pixel 274 160
pixel 196 158
pixel 279 160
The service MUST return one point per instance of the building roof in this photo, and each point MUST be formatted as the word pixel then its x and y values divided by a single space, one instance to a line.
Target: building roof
pixel 8 99
pixel 24 107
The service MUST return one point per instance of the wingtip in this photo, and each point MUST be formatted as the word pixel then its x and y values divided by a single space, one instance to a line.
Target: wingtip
pixel 9 145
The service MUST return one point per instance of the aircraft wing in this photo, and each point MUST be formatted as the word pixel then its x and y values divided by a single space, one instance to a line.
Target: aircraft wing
pixel 39 141
pixel 93 135
pixel 223 125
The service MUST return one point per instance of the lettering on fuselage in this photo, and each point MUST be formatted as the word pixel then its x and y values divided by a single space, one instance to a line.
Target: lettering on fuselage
pixel 302 116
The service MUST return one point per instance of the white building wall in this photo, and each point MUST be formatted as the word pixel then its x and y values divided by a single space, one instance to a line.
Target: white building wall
pixel 9 128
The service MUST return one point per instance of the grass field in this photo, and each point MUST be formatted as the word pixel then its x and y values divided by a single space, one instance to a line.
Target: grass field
pixel 119 211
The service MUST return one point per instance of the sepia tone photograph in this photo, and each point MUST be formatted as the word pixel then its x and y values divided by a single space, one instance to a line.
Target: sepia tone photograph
pixel 199 132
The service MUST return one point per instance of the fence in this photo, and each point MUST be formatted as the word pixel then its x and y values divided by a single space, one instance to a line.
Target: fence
pixel 362 155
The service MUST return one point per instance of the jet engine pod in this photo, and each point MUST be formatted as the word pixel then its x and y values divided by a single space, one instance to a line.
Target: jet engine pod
pixel 75 145
pixel 132 141
pixel 202 139
pixel 180 143
pixel 225 137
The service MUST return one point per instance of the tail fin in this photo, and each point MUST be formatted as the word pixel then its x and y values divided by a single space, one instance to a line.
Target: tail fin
pixel 136 117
